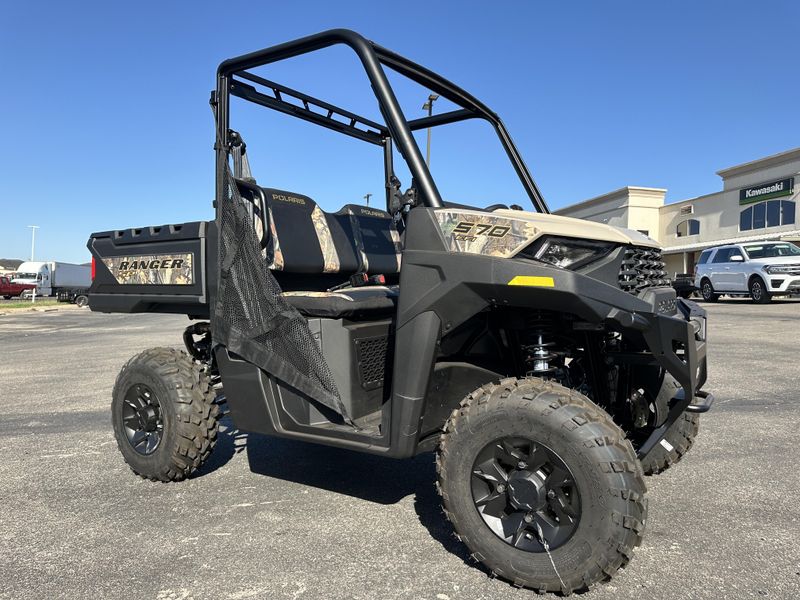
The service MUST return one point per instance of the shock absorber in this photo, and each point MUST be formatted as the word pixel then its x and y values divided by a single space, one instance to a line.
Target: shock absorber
pixel 539 341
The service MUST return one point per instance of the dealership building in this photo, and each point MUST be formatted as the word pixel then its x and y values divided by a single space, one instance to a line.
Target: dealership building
pixel 757 203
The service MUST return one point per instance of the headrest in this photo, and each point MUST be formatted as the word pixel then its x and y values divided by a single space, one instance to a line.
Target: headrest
pixel 289 199
pixel 363 211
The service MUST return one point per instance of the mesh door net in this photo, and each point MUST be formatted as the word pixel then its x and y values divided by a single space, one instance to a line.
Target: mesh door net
pixel 253 320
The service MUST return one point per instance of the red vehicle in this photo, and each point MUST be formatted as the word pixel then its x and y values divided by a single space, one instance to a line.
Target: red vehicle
pixel 9 290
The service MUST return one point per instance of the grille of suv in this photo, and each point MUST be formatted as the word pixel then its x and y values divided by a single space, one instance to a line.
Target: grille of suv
pixel 642 268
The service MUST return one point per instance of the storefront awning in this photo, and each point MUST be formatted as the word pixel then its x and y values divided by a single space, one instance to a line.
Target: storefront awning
pixel 775 236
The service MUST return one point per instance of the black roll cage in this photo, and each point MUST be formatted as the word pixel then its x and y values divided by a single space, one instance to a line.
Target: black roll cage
pixel 233 78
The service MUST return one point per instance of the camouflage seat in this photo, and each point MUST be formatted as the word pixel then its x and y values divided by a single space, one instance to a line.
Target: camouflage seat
pixel 352 303
pixel 305 239
pixel 310 251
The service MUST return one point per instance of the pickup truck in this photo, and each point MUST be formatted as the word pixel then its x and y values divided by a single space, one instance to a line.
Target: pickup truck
pixel 683 284
pixel 8 290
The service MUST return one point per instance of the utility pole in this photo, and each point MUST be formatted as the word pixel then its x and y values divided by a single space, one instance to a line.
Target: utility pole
pixel 367 197
pixel 429 107
pixel 33 238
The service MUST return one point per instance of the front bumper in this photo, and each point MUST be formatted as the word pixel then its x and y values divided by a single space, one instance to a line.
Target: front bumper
pixel 677 341
pixel 783 284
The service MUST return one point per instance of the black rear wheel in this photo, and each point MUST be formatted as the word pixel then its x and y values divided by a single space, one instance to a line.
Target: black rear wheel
pixel 164 415
pixel 541 485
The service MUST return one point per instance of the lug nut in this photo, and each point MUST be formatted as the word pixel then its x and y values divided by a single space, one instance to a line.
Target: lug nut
pixel 528 518
pixel 551 494
pixel 501 488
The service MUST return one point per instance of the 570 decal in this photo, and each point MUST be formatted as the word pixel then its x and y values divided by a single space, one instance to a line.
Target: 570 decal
pixel 468 231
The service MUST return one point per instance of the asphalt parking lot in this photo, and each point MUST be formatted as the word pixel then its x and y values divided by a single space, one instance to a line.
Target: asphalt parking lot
pixel 268 518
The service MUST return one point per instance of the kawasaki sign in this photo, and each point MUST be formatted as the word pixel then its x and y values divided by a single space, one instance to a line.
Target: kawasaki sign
pixel 765 191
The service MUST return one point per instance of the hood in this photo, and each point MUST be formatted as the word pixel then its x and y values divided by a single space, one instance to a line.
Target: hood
pixel 776 260
pixel 580 228
pixel 505 233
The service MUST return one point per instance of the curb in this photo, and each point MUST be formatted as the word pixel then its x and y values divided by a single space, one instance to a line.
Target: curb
pixel 33 309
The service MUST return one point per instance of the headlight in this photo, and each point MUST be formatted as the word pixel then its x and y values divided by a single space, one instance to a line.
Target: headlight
pixel 780 269
pixel 567 253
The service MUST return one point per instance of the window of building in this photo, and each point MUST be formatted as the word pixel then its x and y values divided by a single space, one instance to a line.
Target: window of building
pixel 746 219
pixel 688 227
pixel 787 212
pixel 760 215
pixel 767 214
pixel 773 213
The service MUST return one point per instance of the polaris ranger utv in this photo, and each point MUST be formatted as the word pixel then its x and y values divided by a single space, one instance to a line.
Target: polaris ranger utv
pixel 546 360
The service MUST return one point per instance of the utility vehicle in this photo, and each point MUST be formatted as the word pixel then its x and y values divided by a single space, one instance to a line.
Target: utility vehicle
pixel 546 360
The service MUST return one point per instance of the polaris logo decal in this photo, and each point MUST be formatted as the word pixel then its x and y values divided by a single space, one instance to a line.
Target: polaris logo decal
pixel 152 269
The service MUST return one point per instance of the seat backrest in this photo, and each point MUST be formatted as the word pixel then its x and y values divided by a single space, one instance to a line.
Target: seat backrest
pixel 305 239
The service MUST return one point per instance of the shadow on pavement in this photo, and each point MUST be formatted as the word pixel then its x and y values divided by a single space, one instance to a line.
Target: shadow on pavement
pixel 368 477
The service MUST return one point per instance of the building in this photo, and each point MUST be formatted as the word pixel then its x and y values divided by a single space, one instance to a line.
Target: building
pixel 757 202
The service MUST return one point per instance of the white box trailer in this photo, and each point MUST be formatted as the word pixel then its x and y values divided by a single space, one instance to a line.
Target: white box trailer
pixel 52 277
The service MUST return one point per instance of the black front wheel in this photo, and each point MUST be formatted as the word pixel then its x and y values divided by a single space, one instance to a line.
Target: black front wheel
pixel 541 485
pixel 758 291
pixel 164 415
pixel 651 403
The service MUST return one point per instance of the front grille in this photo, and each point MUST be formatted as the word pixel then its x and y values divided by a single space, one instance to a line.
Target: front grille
pixel 642 268
pixel 371 356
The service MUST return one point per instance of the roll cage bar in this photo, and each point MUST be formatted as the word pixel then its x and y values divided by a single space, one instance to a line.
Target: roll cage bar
pixel 233 78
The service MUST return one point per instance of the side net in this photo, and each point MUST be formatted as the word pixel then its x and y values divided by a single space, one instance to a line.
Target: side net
pixel 253 320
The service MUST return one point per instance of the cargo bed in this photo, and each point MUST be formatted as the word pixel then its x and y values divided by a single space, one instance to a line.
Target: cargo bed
pixel 162 269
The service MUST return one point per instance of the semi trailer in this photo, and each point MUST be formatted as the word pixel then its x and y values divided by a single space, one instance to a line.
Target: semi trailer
pixel 51 277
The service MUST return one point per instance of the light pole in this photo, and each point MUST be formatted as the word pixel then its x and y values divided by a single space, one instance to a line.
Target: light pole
pixel 33 238
pixel 367 197
pixel 429 107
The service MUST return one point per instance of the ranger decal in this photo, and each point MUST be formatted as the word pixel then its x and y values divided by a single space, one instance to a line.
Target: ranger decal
pixel 152 269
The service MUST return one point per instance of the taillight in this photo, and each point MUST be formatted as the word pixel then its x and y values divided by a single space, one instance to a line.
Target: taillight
pixel 93 268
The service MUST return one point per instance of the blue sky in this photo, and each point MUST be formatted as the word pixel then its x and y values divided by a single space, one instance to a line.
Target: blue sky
pixel 106 122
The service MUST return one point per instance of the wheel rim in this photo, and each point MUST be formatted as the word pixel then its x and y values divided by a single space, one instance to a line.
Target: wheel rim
pixel 142 419
pixel 756 290
pixel 526 494
pixel 706 290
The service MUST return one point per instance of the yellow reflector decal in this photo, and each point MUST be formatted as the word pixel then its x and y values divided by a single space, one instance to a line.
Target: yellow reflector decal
pixel 532 281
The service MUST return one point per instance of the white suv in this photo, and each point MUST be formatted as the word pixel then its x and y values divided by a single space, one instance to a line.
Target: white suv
pixel 759 269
